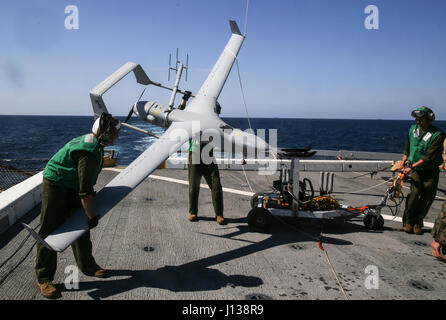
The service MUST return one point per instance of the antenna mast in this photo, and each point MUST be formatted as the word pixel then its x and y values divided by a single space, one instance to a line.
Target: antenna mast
pixel 179 70
pixel 176 65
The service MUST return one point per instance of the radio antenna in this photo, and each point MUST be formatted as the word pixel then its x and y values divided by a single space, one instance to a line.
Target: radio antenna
pixel 179 67
pixel 177 63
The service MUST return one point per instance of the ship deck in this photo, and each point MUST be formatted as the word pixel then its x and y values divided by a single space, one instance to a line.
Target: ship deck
pixel 153 252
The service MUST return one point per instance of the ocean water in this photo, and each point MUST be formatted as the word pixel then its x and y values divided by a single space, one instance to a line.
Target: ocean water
pixel 32 140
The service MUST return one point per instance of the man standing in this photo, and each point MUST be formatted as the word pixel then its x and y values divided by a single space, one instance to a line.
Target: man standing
pixel 422 157
pixel 197 169
pixel 68 181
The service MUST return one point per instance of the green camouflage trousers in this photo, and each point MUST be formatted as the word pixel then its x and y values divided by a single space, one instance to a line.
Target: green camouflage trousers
pixel 58 203
pixel 212 176
pixel 439 230
pixel 422 193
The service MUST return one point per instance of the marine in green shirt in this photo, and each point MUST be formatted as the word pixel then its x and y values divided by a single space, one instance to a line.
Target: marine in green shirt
pixel 68 181
pixel 422 158
pixel 209 171
pixel 211 175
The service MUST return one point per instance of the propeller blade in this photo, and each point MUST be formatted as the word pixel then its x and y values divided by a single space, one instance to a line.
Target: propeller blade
pixel 131 109
pixel 129 115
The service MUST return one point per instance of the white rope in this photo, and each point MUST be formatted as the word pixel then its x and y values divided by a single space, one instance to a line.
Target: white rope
pixel 246 177
pixel 246 18
pixel 243 93
pixel 320 247
pixel 372 187
pixel 336 275
pixel 231 52
pixel 247 115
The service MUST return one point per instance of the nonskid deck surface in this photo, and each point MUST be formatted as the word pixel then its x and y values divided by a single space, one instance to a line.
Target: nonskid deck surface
pixel 154 252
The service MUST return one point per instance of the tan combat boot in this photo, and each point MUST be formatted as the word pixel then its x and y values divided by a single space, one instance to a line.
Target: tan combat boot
pixel 408 228
pixel 417 229
pixel 221 220
pixel 193 217
pixel 98 273
pixel 48 290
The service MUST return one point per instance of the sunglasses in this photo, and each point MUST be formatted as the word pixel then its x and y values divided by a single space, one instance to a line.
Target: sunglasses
pixel 418 114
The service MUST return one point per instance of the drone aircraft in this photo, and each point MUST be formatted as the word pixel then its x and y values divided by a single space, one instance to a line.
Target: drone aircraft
pixel 199 120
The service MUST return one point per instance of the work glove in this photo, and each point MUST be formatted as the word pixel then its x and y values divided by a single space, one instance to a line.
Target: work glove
pixel 93 222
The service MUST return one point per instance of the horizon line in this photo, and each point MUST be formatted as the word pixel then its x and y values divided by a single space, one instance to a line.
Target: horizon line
pixel 302 118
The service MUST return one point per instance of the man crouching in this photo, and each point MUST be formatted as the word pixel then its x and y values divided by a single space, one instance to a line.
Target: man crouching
pixel 68 181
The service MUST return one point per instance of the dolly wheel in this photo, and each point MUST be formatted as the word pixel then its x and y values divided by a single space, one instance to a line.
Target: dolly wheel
pixel 373 222
pixel 258 218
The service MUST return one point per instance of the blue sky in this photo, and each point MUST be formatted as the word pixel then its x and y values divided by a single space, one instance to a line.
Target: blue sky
pixel 300 59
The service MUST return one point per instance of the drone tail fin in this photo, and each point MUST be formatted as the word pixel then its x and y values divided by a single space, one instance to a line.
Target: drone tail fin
pixel 96 93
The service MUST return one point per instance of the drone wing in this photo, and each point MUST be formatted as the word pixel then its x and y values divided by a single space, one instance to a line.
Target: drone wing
pixel 206 97
pixel 177 134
